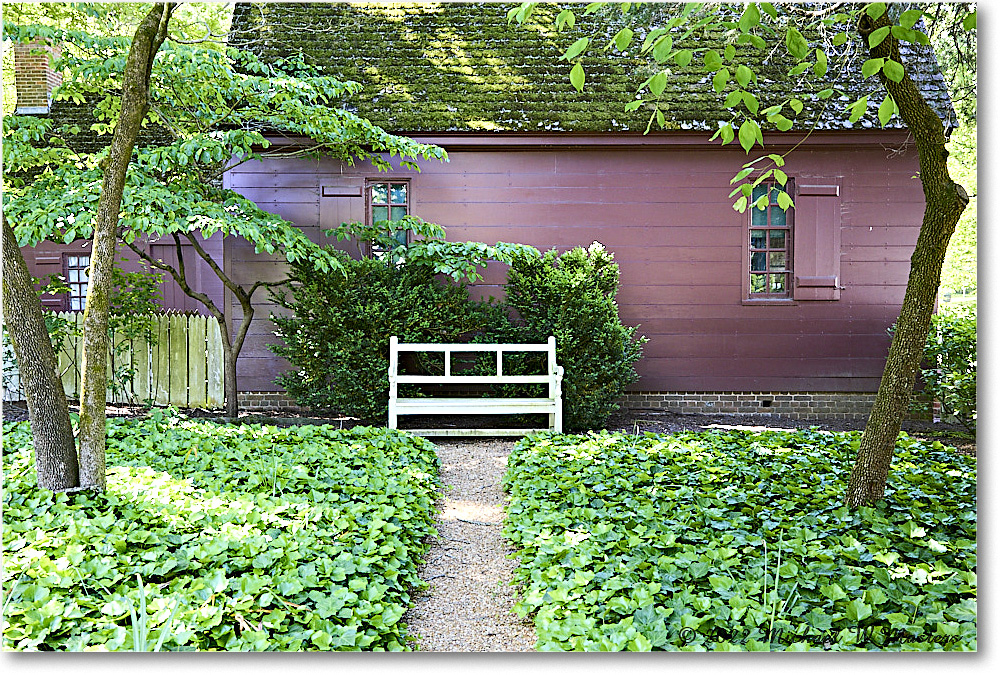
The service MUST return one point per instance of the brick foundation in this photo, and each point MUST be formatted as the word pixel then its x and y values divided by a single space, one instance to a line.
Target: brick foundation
pixel 267 400
pixel 835 405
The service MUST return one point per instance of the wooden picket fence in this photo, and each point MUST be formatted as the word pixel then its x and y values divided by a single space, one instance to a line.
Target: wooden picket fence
pixel 183 368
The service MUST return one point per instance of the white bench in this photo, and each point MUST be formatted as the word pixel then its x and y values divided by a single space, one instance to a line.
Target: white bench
pixel 551 405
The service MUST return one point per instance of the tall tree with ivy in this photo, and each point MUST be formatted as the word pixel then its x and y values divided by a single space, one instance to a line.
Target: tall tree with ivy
pixel 54 461
pixel 808 40
pixel 210 108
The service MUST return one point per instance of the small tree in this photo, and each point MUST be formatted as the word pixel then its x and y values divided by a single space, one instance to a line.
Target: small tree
pixel 205 101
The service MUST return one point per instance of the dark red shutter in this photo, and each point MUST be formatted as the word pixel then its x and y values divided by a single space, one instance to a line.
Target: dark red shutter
pixel 817 243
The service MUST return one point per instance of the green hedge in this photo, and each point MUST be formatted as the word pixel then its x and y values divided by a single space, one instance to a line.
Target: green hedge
pixel 951 359
pixel 337 337
pixel 572 296
pixel 262 538
pixel 730 540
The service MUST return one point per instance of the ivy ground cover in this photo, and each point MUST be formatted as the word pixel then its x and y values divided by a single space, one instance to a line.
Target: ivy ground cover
pixel 733 540
pixel 245 537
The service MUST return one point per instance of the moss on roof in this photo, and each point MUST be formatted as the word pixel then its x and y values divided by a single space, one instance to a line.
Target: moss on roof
pixel 433 67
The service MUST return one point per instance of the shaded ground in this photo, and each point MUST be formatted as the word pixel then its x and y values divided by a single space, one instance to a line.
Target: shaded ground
pixel 630 421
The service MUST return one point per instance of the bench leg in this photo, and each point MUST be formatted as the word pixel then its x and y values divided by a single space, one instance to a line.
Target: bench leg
pixel 393 421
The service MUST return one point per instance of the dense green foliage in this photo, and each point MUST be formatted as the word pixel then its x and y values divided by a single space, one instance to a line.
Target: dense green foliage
pixel 959 272
pixel 255 537
pixel 572 296
pixel 950 359
pixel 732 540
pixel 338 335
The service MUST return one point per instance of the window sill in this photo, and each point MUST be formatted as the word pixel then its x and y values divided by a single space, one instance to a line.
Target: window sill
pixel 769 301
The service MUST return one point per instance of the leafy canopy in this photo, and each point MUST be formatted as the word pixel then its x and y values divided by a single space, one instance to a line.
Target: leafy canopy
pixel 209 111
pixel 807 43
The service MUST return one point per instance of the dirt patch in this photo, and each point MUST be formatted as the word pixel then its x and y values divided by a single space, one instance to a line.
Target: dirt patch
pixel 630 421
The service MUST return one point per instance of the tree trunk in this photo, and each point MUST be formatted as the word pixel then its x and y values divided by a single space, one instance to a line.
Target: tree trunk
pixel 55 449
pixel 945 202
pixel 134 106
pixel 229 357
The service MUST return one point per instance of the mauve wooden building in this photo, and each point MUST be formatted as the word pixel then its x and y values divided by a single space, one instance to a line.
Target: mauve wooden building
pixel 745 312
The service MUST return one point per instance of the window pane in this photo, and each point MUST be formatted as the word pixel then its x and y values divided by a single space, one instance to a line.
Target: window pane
pixel 72 262
pixel 398 212
pixel 777 217
pixel 380 213
pixel 400 237
pixel 758 239
pixel 758 262
pixel 773 196
pixel 399 193
pixel 757 283
pixel 777 283
pixel 776 261
pixel 380 194
pixel 76 303
pixel 84 261
pixel 759 192
pixel 778 239
pixel 758 217
pixel 73 275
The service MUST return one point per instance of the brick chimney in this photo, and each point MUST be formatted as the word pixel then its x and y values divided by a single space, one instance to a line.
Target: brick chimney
pixel 34 78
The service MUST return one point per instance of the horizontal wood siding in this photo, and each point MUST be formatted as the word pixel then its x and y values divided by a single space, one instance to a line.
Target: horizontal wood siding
pixel 666 215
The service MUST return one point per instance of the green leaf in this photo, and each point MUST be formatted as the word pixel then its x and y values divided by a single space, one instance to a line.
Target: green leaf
pixel 885 110
pixel 632 106
pixel 783 123
pixel 683 57
pixel 875 10
pixel 750 18
pixel 858 108
pixel 751 102
pixel 566 19
pixel 840 38
pixel 713 61
pixel 577 76
pixel 727 133
pixel 576 48
pixel 733 98
pixel 658 83
pixel 743 173
pixel 743 75
pixel 878 36
pixel 785 202
pixel 820 68
pixel 729 53
pixel 969 22
pixel 749 133
pixel 893 70
pixel 858 610
pixel 796 105
pixel 623 39
pixel 908 18
pixel 825 93
pixel 871 66
pixel 662 48
pixel 720 80
pixel 781 177
pixel 796 43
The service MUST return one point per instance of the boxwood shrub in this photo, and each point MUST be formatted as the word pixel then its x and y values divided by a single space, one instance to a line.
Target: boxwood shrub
pixel 572 296
pixel 254 537
pixel 732 540
pixel 337 335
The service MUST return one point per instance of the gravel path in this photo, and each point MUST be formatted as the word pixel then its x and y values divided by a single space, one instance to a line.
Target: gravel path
pixel 468 605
